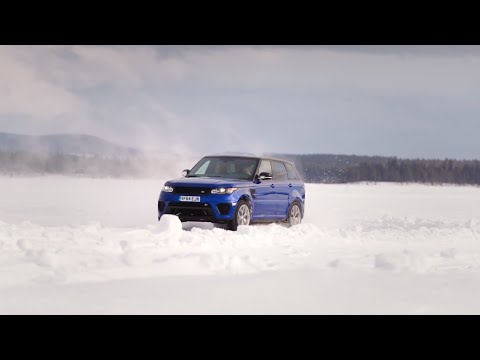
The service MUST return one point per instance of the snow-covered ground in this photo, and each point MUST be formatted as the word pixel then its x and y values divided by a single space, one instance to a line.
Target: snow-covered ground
pixel 77 245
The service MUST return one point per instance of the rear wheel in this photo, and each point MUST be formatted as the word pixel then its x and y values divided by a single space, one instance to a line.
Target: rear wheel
pixel 294 214
pixel 243 215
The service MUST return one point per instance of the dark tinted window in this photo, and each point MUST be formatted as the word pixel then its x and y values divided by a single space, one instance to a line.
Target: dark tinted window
pixel 279 171
pixel 225 167
pixel 292 174
pixel 265 166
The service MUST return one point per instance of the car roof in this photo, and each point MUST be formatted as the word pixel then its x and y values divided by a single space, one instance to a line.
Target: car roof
pixel 252 157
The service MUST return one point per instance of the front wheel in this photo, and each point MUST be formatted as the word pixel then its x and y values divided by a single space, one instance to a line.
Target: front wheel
pixel 243 215
pixel 294 215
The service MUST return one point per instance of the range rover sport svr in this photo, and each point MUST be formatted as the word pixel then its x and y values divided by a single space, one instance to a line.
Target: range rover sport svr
pixel 236 190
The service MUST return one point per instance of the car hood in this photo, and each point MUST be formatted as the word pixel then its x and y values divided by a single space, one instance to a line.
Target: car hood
pixel 213 182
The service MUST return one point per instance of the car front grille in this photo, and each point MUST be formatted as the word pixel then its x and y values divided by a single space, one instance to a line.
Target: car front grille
pixel 191 211
pixel 189 204
pixel 191 190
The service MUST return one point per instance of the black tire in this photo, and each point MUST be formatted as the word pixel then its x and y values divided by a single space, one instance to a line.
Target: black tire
pixel 233 224
pixel 295 215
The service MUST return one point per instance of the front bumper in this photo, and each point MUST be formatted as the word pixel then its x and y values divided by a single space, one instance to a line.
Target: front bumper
pixel 211 208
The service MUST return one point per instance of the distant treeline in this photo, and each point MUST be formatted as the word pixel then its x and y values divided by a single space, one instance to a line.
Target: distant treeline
pixel 313 168
pixel 352 168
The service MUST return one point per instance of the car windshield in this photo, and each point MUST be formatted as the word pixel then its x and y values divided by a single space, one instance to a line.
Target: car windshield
pixel 225 167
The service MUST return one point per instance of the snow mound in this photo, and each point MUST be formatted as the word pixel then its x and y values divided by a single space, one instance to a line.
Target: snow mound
pixel 92 253
pixel 169 224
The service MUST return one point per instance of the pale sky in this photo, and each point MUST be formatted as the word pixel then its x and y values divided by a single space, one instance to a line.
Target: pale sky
pixel 407 101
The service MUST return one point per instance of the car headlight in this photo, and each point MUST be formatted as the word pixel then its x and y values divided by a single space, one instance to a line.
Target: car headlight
pixel 168 188
pixel 223 191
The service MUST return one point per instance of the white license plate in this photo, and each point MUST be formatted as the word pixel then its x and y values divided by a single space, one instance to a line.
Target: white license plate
pixel 190 198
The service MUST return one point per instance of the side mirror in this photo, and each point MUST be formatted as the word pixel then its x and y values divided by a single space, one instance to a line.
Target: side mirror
pixel 185 172
pixel 265 176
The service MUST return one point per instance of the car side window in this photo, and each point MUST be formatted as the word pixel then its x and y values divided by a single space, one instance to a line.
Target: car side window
pixel 292 174
pixel 265 166
pixel 279 171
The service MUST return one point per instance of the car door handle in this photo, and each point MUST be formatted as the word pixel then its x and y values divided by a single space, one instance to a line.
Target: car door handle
pixel 273 185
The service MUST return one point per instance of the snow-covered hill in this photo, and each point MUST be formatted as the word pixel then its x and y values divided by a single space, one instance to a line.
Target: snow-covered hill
pixel 72 144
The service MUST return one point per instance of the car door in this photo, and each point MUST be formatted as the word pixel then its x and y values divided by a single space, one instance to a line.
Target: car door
pixel 297 187
pixel 263 194
pixel 282 190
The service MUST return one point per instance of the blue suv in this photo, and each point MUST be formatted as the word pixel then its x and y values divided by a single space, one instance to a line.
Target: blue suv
pixel 236 190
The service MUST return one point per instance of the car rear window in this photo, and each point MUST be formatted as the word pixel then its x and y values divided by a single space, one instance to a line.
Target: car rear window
pixel 292 174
